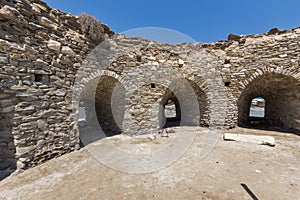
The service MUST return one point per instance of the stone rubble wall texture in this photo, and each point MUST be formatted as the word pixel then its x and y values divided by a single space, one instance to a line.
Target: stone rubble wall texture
pixel 41 50
pixel 48 69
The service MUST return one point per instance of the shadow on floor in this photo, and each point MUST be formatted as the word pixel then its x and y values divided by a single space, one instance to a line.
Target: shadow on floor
pixel 5 173
pixel 262 124
pixel 252 195
pixel 171 122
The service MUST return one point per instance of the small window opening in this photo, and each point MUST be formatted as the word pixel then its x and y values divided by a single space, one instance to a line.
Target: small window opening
pixel 170 109
pixel 152 85
pixel 139 58
pixel 42 78
pixel 227 84
pixel 81 113
pixel 257 108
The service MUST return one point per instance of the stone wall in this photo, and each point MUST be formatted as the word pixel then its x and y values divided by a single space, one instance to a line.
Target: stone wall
pixel 41 49
pixel 264 65
pixel 7 146
pixel 50 71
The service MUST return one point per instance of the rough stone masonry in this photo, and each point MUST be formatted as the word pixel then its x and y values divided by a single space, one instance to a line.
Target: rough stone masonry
pixel 50 71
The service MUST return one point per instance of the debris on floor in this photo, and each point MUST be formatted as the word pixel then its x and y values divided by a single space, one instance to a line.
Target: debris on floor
pixel 255 139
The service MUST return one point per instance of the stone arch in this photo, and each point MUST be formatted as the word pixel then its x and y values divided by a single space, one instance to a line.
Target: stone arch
pixel 150 86
pixel 190 100
pixel 291 71
pixel 192 63
pixel 97 74
pixel 145 108
pixel 201 89
pixel 108 52
pixel 166 121
pixel 96 89
pixel 281 93
pixel 202 68
pixel 110 104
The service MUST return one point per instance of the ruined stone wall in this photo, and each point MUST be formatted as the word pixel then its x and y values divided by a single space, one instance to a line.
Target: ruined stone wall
pixel 7 146
pixel 50 72
pixel 264 65
pixel 142 66
pixel 41 49
pixel 229 74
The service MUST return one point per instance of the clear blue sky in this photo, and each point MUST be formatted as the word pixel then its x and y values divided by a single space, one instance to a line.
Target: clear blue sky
pixel 202 20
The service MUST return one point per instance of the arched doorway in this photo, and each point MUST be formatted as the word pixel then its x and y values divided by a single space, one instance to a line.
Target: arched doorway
pixel 189 103
pixel 109 105
pixel 100 109
pixel 278 95
pixel 172 111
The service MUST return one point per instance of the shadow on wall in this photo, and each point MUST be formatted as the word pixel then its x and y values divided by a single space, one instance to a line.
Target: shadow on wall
pixel 282 103
pixel 109 105
pixel 96 118
pixel 7 148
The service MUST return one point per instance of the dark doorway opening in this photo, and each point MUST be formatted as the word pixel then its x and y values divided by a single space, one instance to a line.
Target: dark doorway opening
pixel 100 110
pixel 270 102
pixel 109 105
pixel 8 160
pixel 172 112
pixel 187 103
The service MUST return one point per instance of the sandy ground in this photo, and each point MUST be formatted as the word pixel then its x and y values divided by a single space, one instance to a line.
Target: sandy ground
pixel 268 172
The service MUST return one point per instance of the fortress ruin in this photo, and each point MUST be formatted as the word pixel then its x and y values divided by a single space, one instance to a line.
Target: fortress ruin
pixel 50 70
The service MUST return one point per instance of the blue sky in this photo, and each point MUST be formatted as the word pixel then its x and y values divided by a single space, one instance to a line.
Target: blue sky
pixel 204 21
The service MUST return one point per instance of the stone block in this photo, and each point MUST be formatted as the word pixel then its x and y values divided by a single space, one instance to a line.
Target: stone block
pixel 9 13
pixel 67 50
pixel 47 23
pixel 254 139
pixel 54 45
